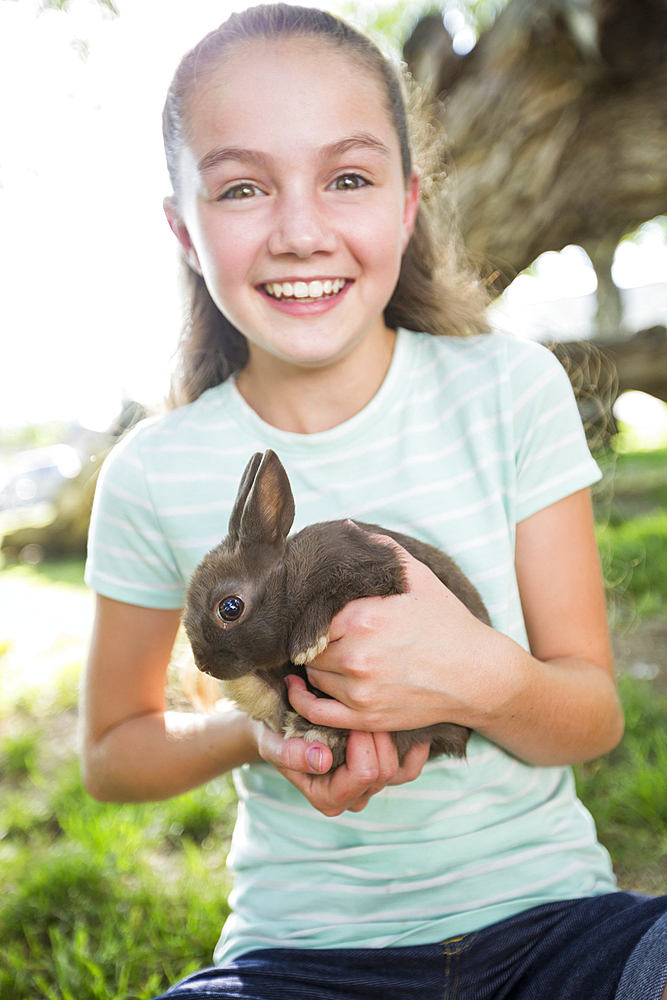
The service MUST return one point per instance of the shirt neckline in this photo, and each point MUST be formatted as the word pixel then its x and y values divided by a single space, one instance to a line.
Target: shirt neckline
pixel 391 390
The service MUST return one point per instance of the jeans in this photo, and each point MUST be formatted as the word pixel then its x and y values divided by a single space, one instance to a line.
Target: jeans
pixel 611 947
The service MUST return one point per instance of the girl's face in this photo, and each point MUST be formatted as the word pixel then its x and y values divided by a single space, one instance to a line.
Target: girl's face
pixel 293 204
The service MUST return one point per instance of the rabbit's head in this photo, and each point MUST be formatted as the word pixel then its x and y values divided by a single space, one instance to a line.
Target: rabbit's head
pixel 235 608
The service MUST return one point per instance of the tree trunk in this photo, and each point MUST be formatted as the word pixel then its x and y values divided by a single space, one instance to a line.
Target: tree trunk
pixel 557 123
pixel 600 371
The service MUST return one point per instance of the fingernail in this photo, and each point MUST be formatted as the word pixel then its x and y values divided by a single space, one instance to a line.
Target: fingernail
pixel 314 757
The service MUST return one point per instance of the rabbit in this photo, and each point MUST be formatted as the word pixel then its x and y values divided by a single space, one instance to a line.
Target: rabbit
pixel 260 604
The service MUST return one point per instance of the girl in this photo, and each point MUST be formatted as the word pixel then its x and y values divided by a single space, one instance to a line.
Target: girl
pixel 298 211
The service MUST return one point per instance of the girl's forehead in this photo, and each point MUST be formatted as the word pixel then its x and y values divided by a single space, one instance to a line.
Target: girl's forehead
pixel 296 82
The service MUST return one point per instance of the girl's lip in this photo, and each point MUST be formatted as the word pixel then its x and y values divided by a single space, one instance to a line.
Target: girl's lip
pixel 304 307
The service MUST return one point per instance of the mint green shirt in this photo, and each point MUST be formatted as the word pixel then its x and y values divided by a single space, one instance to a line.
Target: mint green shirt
pixel 464 439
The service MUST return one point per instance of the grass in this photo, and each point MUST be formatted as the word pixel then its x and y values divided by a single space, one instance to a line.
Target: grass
pixel 626 791
pixel 101 901
pixel 97 901
pixel 108 902
pixel 632 537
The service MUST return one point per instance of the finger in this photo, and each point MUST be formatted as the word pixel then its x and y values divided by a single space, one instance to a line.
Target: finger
pixel 413 764
pixel 319 711
pixel 371 757
pixel 351 786
pixel 294 754
pixel 387 756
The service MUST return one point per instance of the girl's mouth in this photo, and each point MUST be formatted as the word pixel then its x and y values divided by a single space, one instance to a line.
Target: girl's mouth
pixel 304 291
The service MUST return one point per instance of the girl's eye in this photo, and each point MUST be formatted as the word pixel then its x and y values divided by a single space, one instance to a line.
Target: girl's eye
pixel 349 182
pixel 241 191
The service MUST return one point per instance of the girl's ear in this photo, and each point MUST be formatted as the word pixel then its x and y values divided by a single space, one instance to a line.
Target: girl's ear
pixel 412 196
pixel 180 231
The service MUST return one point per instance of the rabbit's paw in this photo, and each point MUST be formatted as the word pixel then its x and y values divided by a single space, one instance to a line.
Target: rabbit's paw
pixel 309 654
pixel 296 727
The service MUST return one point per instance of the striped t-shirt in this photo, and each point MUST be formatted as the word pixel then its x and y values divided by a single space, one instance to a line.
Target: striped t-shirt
pixel 464 439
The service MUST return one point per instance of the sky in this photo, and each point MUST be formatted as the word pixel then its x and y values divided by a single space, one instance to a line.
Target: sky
pixel 89 310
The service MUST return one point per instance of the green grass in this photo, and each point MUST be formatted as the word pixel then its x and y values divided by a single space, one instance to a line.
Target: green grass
pixel 102 901
pixel 108 902
pixel 626 791
pixel 66 572
pixel 632 536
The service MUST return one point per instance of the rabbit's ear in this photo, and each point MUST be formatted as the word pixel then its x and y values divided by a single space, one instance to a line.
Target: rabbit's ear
pixel 269 510
pixel 247 480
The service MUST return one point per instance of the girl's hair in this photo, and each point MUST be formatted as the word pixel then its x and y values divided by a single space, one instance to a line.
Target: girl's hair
pixel 437 292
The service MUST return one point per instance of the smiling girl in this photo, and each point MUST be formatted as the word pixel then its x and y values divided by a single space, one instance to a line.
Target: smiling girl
pixel 325 324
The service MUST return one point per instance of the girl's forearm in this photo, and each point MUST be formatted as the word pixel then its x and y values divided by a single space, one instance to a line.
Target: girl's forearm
pixel 157 756
pixel 561 711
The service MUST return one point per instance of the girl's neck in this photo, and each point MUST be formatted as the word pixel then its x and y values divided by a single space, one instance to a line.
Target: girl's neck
pixel 310 400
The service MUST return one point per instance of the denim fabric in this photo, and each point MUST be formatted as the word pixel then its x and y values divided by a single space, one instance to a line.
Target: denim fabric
pixel 645 971
pixel 611 947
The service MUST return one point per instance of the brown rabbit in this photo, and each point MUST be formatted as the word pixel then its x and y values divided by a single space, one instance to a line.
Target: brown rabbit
pixel 259 605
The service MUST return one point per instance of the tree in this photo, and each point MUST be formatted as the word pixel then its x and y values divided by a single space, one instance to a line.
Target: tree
pixel 557 125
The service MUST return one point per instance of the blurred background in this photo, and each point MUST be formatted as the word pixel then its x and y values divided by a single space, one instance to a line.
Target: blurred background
pixel 556 117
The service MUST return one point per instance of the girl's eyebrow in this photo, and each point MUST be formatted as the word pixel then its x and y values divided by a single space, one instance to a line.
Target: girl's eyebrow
pixel 217 156
pixel 360 140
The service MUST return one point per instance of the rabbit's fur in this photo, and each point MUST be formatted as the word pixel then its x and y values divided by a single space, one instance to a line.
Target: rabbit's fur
pixel 290 590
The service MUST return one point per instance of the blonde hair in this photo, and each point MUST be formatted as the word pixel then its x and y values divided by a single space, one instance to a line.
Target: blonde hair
pixel 437 290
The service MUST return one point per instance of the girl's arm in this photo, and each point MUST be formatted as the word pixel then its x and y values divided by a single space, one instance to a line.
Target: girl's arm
pixel 421 658
pixel 132 749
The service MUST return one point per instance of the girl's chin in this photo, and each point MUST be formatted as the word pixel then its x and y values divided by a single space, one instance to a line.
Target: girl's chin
pixel 307 360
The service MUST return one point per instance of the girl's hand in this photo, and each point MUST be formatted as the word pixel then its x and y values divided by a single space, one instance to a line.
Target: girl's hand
pixel 371 765
pixel 399 662
pixel 421 657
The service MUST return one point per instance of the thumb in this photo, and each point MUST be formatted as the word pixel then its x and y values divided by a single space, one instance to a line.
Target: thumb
pixel 294 754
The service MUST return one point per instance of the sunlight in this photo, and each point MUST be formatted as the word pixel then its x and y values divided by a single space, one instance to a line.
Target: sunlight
pixel 643 422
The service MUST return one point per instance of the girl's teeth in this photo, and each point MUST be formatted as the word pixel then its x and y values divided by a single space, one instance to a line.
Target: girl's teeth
pixel 305 289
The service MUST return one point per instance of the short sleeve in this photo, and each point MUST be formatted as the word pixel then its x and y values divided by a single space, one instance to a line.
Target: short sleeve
pixel 129 557
pixel 551 452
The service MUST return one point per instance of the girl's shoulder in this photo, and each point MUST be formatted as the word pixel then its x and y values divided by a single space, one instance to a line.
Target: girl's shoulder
pixel 180 424
pixel 495 347
pixel 510 360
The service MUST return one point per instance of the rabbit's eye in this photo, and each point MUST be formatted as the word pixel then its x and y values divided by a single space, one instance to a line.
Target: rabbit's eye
pixel 230 609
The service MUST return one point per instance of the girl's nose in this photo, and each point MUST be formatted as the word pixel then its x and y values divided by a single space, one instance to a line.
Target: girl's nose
pixel 301 228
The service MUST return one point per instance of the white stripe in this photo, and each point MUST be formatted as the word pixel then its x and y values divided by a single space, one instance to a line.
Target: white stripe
pixel 550 451
pixel 128 497
pixel 418 398
pixel 536 387
pixel 412 914
pixel 193 510
pixel 356 823
pixel 191 477
pixel 554 481
pixel 459 512
pixel 527 353
pixel 120 522
pixel 480 541
pixel 548 415
pixel 391 473
pixel 492 573
pixel 390 441
pixel 200 544
pixel 396 887
pixel 131 556
pixel 134 584
pixel 172 448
